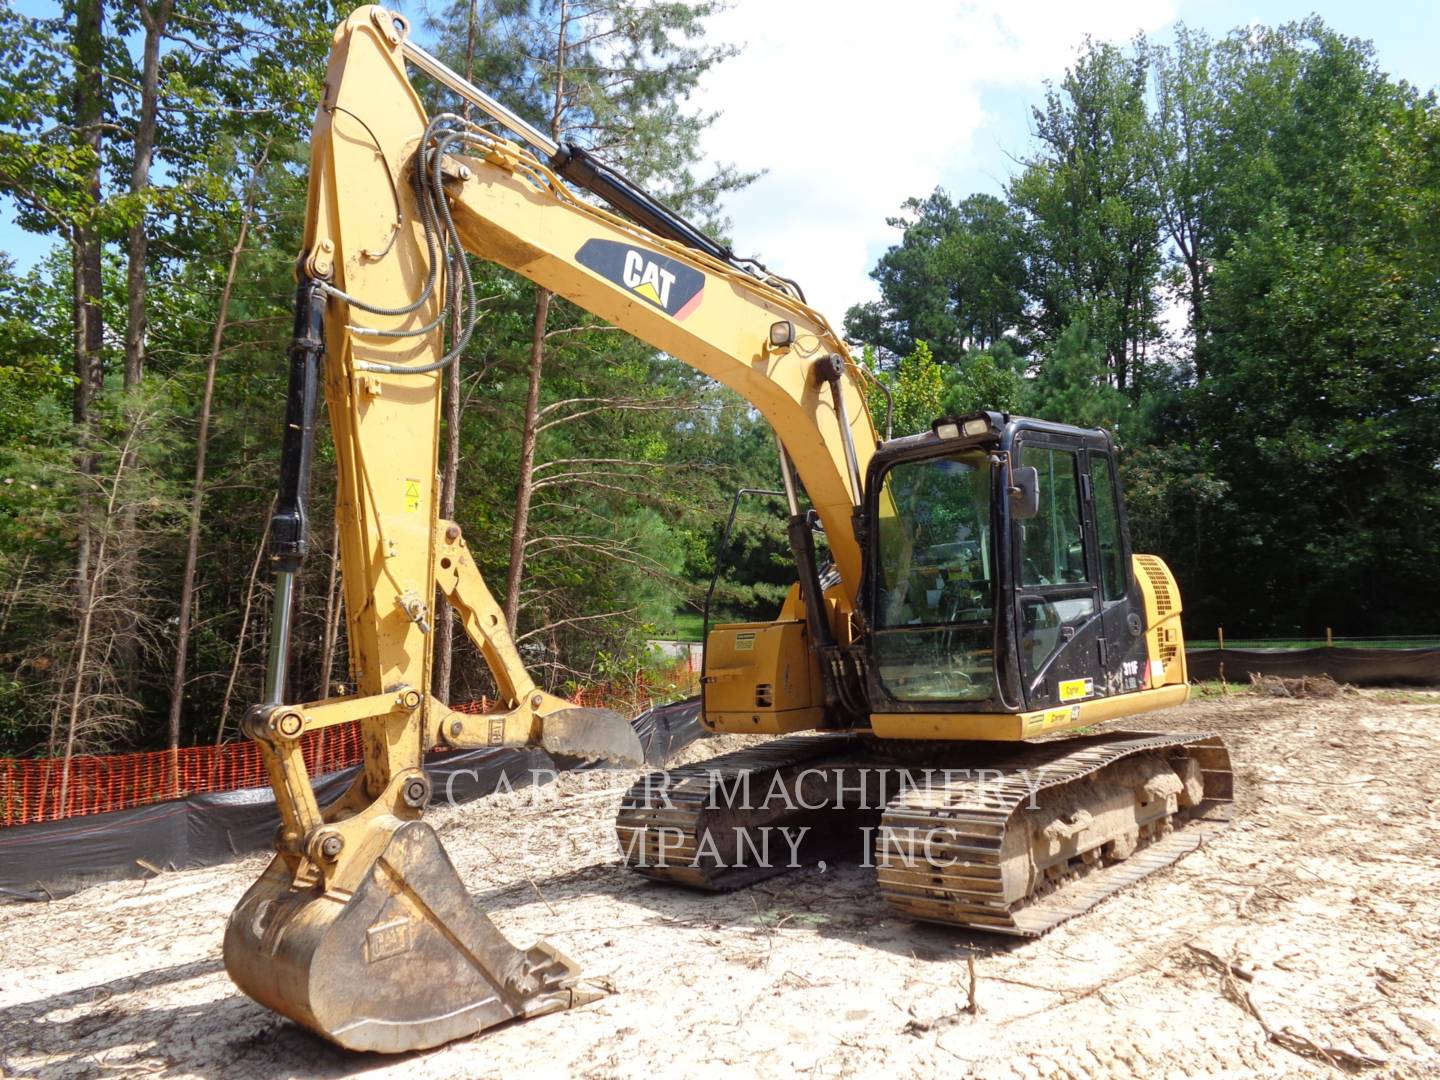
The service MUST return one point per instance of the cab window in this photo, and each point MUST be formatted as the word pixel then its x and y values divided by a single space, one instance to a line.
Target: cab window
pixel 1055 584
pixel 934 585
pixel 1107 529
pixel 1052 545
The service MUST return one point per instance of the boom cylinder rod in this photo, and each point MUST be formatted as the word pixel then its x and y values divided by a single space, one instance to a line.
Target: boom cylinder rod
pixel 788 476
pixel 830 370
pixel 280 617
pixel 578 165
pixel 477 97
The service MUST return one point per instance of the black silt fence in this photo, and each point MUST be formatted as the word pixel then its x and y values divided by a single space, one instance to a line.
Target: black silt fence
pixel 1357 667
pixel 55 858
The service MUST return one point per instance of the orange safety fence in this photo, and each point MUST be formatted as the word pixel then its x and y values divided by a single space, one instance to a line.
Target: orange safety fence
pixel 31 788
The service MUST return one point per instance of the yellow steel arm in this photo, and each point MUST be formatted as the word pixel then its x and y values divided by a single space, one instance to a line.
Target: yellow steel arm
pixel 514 212
pixel 511 210
pixel 360 892
pixel 365 241
pixel 364 238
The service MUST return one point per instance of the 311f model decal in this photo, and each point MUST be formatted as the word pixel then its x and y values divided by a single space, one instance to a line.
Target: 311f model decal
pixel 666 283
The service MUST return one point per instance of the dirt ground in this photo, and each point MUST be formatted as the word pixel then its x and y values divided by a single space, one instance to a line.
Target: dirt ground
pixel 1303 942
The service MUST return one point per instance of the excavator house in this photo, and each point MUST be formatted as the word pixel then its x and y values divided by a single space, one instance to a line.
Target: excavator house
pixel 977 602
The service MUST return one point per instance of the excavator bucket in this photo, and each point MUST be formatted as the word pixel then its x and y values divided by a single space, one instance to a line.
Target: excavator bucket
pixel 404 962
pixel 593 734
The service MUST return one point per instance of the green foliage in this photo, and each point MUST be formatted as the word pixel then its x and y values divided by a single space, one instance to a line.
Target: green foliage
pixel 629 471
pixel 1073 385
pixel 1322 392
pixel 1280 452
pixel 991 379
pixel 235 76
pixel 954 281
pixel 1091 207
pixel 917 390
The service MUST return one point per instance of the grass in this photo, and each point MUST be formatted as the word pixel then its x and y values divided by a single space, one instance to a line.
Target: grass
pixel 683 626
pixel 1408 697
pixel 1214 688
pixel 1317 643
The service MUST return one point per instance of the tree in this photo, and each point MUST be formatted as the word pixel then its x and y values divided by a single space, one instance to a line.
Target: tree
pixel 1188 164
pixel 605 76
pixel 1092 210
pixel 97 103
pixel 1073 386
pixel 990 379
pixel 917 389
pixel 954 281
pixel 1322 391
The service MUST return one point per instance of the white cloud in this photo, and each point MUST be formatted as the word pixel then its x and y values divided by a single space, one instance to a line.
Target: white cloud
pixel 853 107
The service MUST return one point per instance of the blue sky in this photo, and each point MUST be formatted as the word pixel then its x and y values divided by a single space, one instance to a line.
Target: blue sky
pixel 1406 36
pixel 851 113
pixel 938 94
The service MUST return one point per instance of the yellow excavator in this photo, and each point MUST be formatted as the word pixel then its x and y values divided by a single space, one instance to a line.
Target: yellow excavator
pixel 980 597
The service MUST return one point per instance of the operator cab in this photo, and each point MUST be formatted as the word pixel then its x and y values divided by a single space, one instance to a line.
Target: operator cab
pixel 998 569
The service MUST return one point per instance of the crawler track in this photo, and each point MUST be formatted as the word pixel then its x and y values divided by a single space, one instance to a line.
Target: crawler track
pixel 993 836
pixel 665 819
pixel 1053 830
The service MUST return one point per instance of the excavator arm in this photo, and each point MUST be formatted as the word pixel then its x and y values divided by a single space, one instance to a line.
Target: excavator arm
pixel 360 928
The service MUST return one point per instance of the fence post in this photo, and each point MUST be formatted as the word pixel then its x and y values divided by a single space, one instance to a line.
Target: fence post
pixel 1220 637
pixel 1329 638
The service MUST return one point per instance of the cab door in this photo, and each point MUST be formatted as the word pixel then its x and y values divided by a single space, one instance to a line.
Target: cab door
pixel 1122 639
pixel 1057 580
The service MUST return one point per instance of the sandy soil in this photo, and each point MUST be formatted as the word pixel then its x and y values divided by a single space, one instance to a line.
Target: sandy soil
pixel 1305 941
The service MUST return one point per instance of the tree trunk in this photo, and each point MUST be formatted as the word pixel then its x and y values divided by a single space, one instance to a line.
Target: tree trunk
pixel 86 255
pixel 334 607
pixel 202 442
pixel 525 488
pixel 137 245
pixel 244 624
pixel 81 676
pixel 14 595
pixel 78 682
pixel 1197 320
pixel 444 617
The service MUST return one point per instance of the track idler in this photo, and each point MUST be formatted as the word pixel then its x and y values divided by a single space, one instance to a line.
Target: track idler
pixel 404 961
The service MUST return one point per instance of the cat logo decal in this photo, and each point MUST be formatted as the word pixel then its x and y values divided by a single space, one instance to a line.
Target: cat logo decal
pixel 661 281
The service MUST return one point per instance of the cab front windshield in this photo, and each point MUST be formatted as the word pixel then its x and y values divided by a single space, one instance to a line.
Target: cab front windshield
pixel 935 597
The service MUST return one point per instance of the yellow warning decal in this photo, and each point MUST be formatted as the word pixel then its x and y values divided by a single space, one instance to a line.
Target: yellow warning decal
pixel 412 496
pixel 1065 714
pixel 1077 689
pixel 745 642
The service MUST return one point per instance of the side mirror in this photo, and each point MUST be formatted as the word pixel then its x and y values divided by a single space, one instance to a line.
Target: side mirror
pixel 1024 492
